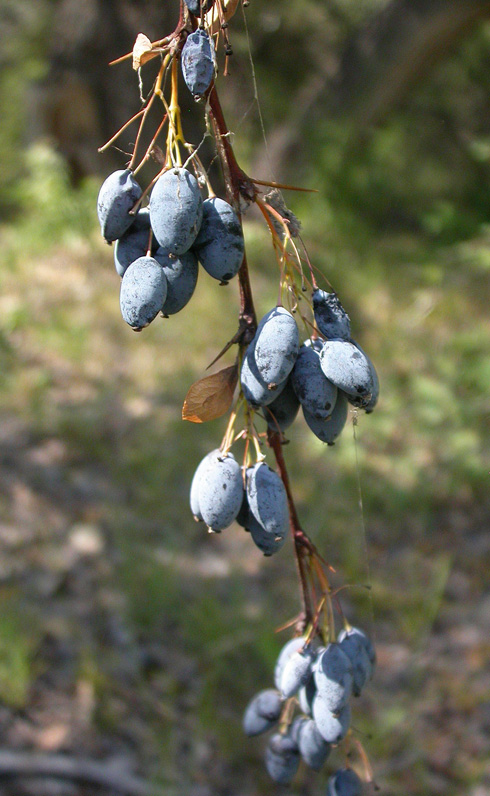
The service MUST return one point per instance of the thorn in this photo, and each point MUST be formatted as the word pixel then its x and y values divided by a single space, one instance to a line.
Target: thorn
pixel 284 186
pixel 223 351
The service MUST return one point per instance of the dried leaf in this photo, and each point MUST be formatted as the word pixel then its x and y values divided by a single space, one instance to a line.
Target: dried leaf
pixel 211 396
pixel 143 51
pixel 212 20
pixel 158 155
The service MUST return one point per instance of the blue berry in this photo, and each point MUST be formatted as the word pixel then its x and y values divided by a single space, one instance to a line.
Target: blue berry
pixel 313 748
pixel 331 726
pixel 134 243
pixel 293 645
pixel 280 414
pixel 333 677
pixel 330 316
pixel 344 782
pixel 181 273
pixel 306 695
pixel 315 392
pixel 256 391
pixel 262 712
pixel 198 6
pixel 362 668
pixel 117 196
pixel 220 491
pixel 176 210
pixel 219 244
pixel 344 364
pixel 269 542
pixel 282 758
pixel 194 493
pixel 143 292
pixel 329 429
pixel 297 671
pixel 356 633
pixel 267 500
pixel 198 62
pixel 276 346
pixel 369 401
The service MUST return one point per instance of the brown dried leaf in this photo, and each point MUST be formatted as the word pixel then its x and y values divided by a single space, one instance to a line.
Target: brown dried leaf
pixel 211 396
pixel 143 51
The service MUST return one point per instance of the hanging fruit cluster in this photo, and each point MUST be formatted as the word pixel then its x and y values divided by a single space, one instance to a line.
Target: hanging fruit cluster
pixel 163 234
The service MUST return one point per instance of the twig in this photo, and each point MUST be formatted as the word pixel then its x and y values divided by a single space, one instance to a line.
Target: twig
pixel 272 184
pixel 121 130
pixel 239 185
pixel 110 775
pixel 237 182
pixel 152 143
pixel 303 546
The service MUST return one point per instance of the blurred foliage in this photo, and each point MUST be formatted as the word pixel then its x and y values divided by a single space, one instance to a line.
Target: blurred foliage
pixel 23 61
pixel 426 168
pixel 19 638
pixel 51 209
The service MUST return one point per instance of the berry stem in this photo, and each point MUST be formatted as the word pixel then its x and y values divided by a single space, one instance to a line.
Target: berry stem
pixel 237 184
pixel 151 145
pixel 144 116
pixel 121 130
pixel 303 547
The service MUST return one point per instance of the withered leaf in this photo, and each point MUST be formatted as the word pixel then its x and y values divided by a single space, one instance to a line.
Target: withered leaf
pixel 211 396
pixel 143 51
pixel 158 155
pixel 212 18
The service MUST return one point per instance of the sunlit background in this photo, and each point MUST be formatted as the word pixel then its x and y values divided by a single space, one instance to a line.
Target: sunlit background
pixel 128 635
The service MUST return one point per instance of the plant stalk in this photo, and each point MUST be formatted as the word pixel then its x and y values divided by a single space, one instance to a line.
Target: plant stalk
pixel 238 185
pixel 240 188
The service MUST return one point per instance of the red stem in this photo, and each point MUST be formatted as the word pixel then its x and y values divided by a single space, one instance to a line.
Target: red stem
pixel 303 547
pixel 240 187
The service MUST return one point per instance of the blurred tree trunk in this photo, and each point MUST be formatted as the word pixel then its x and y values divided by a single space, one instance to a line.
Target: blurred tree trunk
pixel 82 101
pixel 400 45
pixel 377 67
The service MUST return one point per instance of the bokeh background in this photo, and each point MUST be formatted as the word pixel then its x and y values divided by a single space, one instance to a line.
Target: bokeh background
pixel 128 636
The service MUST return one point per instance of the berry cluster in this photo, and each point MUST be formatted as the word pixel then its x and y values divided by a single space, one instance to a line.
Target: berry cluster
pixel 322 375
pixel 222 491
pixel 158 248
pixel 278 376
pixel 319 680
pixel 161 235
